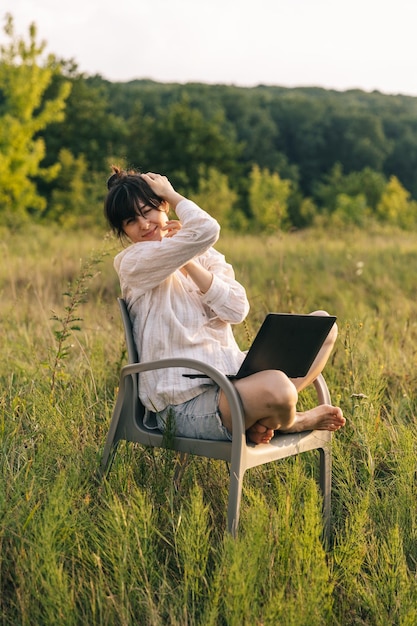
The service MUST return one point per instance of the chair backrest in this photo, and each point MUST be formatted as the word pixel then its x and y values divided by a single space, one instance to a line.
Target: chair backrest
pixel 132 353
pixel 132 357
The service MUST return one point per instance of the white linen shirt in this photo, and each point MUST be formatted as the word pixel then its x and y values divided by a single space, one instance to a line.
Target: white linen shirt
pixel 171 317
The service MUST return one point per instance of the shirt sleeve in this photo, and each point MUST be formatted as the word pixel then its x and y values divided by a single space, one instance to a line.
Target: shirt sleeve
pixel 226 297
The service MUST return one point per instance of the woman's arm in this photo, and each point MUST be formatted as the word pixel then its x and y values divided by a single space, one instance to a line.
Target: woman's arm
pixel 225 296
pixel 202 277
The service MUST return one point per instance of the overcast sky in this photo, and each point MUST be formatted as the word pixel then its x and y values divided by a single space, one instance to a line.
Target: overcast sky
pixel 366 44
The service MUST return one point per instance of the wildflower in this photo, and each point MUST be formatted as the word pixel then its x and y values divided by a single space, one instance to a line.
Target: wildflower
pixel 359 267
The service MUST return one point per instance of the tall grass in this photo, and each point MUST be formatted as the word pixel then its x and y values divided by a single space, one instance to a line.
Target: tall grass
pixel 141 549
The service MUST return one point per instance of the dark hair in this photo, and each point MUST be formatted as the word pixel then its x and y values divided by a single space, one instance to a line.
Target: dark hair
pixel 127 193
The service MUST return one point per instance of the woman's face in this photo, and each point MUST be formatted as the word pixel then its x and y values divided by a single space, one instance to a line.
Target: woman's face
pixel 148 225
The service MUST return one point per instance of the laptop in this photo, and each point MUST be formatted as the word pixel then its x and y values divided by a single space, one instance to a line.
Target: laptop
pixel 287 342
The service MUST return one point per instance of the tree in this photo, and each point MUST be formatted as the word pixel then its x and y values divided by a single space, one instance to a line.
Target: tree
pixel 179 140
pixel 23 114
pixel 215 196
pixel 89 128
pixel 77 194
pixel 402 160
pixel 268 195
pixel 396 207
pixel 350 210
pixel 301 120
pixel 367 183
pixel 356 139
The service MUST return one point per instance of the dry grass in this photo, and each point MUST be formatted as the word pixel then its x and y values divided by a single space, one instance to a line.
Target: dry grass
pixel 135 551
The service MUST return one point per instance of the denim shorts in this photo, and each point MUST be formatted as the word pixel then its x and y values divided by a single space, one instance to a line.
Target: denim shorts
pixel 198 418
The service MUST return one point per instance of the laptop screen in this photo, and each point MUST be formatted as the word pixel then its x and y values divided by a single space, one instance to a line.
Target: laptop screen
pixel 287 342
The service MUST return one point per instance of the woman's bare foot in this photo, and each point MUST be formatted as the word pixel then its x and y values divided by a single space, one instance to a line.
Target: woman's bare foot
pixel 322 417
pixel 259 433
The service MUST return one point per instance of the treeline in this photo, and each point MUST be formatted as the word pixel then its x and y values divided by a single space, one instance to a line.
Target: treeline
pixel 258 158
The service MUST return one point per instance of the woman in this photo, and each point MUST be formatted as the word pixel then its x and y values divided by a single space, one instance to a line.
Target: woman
pixel 182 298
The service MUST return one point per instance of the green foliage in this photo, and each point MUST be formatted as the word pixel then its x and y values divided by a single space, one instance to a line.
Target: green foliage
pixel 217 198
pixel 68 323
pixel 77 194
pixel 356 139
pixel 367 183
pixel 179 140
pixel 23 115
pixel 395 206
pixel 357 197
pixel 60 131
pixel 192 547
pixel 350 210
pixel 69 193
pixel 90 129
pixel 268 195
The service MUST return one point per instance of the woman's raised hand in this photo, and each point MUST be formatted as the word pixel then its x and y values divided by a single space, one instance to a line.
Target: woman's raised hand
pixel 172 227
pixel 163 188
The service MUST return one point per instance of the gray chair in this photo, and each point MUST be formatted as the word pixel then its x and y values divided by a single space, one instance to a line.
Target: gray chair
pixel 127 424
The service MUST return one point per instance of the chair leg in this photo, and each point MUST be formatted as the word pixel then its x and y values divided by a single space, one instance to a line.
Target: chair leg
pixel 326 488
pixel 233 509
pixel 108 457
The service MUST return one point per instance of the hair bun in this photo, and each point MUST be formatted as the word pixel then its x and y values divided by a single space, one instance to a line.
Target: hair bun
pixel 117 175
pixel 112 180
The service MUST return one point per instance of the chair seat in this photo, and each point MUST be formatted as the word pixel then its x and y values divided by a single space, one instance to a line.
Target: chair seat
pixel 285 445
pixel 280 446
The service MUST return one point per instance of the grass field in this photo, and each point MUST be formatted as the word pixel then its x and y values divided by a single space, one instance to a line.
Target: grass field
pixel 133 549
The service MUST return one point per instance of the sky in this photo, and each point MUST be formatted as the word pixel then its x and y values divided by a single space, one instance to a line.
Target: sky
pixel 334 44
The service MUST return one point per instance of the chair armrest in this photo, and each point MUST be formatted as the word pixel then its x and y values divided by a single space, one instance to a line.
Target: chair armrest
pixel 236 408
pixel 323 394
pixel 233 398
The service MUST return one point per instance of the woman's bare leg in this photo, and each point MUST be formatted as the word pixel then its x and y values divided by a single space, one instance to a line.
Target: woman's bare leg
pixel 269 400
